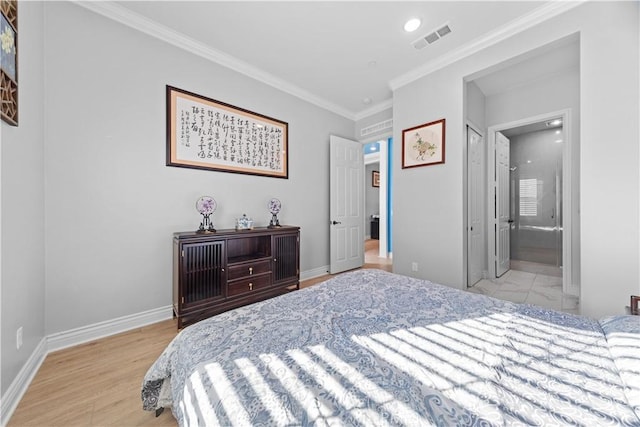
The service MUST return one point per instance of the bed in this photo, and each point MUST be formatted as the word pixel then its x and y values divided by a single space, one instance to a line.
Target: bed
pixel 375 348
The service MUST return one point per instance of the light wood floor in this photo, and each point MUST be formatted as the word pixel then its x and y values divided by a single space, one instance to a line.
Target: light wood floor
pixel 98 383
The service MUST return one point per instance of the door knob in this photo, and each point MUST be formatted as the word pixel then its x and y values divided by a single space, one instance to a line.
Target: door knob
pixel 335 222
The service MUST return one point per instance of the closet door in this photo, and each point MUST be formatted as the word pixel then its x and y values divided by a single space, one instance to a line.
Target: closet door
pixel 286 263
pixel 203 273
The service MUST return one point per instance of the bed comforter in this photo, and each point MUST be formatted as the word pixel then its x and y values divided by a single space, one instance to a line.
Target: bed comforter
pixel 375 348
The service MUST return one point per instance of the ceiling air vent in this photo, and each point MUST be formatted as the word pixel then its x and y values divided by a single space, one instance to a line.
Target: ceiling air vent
pixel 432 37
pixel 444 31
pixel 387 124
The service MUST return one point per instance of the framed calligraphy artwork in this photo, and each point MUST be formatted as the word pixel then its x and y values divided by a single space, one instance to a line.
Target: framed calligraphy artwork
pixel 203 133
pixel 423 145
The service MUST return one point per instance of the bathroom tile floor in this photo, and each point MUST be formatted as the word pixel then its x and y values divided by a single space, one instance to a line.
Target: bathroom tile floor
pixel 530 283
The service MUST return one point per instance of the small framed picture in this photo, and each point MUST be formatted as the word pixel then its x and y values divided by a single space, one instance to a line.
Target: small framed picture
pixel 423 145
pixel 375 179
pixel 635 304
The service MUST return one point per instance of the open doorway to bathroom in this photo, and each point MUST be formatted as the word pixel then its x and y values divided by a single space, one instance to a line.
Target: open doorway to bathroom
pixel 535 202
pixel 540 170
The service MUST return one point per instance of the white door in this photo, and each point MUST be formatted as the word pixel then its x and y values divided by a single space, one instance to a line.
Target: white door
pixel 346 205
pixel 503 221
pixel 475 199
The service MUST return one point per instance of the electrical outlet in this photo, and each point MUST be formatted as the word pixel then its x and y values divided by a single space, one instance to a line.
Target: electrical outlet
pixel 19 338
pixel 414 266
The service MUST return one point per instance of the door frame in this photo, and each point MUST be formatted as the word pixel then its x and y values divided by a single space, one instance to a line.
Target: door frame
pixel 568 210
pixel 383 159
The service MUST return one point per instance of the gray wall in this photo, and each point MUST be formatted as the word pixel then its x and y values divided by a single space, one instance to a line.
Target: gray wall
pixel 112 204
pixel 428 201
pixel 23 210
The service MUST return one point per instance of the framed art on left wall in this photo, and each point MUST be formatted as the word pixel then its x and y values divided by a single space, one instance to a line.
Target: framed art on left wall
pixel 203 133
pixel 9 61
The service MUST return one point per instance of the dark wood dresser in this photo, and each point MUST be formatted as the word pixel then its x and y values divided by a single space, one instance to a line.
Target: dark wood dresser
pixel 215 272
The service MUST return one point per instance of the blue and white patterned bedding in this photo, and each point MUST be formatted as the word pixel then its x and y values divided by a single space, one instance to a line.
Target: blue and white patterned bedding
pixel 374 348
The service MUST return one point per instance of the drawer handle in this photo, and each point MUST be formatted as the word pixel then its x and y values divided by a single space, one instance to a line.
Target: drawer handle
pixel 250 286
pixel 250 270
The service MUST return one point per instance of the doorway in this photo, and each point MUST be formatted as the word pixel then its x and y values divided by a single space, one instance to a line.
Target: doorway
pixel 539 194
pixel 377 159
pixel 535 205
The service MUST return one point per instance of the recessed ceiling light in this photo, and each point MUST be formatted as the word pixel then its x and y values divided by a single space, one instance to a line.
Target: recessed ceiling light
pixel 412 25
pixel 367 101
pixel 555 122
pixel 558 141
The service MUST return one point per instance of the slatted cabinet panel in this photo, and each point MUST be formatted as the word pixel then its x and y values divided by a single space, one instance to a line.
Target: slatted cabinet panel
pixel 215 272
pixel 286 264
pixel 204 272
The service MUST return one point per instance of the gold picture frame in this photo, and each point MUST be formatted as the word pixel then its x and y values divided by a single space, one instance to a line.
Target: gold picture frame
pixel 203 133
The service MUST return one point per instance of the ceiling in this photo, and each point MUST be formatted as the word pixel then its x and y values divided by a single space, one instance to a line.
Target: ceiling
pixel 343 56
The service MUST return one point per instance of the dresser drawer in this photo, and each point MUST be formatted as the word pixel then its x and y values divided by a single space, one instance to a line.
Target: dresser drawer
pixel 249 284
pixel 248 269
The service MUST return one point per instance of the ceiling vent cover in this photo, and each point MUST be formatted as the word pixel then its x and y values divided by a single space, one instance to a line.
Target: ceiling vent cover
pixel 444 31
pixel 387 124
pixel 432 37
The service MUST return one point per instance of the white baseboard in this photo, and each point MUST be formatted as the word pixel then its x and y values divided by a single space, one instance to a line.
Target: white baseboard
pixel 84 334
pixel 19 385
pixel 316 272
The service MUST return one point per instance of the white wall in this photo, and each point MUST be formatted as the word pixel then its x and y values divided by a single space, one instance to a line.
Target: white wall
pixel 609 158
pixel 112 204
pixel 23 211
pixel 428 201
pixel 476 108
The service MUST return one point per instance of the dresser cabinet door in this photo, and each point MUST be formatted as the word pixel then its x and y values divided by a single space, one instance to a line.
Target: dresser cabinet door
pixel 285 257
pixel 203 272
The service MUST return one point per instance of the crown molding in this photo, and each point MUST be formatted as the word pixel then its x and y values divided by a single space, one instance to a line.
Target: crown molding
pixel 535 17
pixel 380 106
pixel 120 14
pixel 138 22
